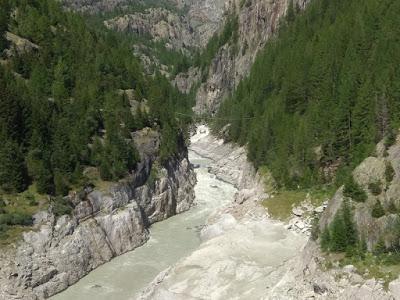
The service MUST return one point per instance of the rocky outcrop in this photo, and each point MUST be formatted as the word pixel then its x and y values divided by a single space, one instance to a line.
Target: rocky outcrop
pixel 237 257
pixel 178 30
pixel 104 224
pixel 258 22
pixel 234 259
pixel 93 6
pixel 159 23
pixel 374 171
pixel 184 82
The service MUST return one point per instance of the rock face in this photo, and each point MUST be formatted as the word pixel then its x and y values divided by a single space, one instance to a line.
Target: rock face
pixel 373 170
pixel 93 6
pixel 104 224
pixel 179 29
pixel 243 252
pixel 258 22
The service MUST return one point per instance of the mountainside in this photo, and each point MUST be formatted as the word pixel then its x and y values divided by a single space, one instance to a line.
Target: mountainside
pixel 257 22
pixel 312 107
pixel 91 152
pixel 97 99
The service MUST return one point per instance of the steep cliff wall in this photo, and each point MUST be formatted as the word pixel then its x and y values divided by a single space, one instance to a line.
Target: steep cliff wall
pixel 188 26
pixel 258 22
pixel 104 224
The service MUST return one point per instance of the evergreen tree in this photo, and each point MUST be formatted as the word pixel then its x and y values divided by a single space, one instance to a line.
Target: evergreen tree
pixel 4 19
pixel 377 210
pixel 338 234
pixel 13 177
pixel 350 227
pixel 325 239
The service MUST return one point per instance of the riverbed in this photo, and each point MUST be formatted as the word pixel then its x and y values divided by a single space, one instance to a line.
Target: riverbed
pixel 171 240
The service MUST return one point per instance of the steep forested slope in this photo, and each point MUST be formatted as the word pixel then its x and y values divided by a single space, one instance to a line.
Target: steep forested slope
pixel 64 102
pixel 322 93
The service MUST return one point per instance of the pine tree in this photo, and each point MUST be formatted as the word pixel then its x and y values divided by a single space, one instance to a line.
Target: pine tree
pixel 13 176
pixel 338 233
pixel 350 227
pixel 377 210
pixel 4 19
pixel 325 239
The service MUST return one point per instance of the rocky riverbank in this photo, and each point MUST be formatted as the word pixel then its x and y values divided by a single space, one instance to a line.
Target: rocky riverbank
pixel 246 255
pixel 243 251
pixel 104 224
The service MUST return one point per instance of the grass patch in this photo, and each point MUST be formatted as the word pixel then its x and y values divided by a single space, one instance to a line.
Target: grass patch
pixel 281 205
pixel 17 210
pixel 12 235
pixel 369 266
pixel 372 266
pixel 92 175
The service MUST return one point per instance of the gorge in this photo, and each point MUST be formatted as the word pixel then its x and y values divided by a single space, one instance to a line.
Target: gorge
pixel 199 149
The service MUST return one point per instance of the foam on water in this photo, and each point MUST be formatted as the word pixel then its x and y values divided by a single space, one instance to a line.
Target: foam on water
pixel 171 240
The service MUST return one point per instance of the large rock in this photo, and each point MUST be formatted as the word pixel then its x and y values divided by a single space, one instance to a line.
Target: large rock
pixel 104 224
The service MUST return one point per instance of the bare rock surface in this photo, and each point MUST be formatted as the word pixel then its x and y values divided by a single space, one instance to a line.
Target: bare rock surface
pixel 104 224
pixel 246 255
pixel 258 22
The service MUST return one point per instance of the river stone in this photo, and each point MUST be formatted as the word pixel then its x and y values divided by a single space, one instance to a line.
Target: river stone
pixel 297 211
pixel 319 209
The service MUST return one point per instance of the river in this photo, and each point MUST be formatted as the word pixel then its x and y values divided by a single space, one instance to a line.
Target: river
pixel 171 240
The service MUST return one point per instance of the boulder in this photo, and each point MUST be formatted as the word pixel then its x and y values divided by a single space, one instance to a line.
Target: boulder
pixel 297 211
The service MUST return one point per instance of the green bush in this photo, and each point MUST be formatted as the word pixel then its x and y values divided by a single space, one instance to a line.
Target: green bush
pixel 315 229
pixel 377 210
pixel 354 191
pixel 338 234
pixel 392 209
pixel 375 188
pixel 61 206
pixel 325 239
pixel 389 172
pixel 16 219
pixel 390 139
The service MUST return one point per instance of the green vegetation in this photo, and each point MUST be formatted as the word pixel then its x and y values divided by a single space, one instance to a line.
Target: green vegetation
pixel 354 191
pixel 375 188
pixel 228 34
pixel 389 173
pixel 281 205
pixel 377 210
pixel 319 85
pixel 64 111
pixel 341 234
pixel 4 19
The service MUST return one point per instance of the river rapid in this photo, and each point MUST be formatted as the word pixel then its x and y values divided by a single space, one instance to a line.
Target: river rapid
pixel 171 240
pixel 219 249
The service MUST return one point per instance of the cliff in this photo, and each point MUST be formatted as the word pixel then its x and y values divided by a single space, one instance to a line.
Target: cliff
pixel 104 224
pixel 258 21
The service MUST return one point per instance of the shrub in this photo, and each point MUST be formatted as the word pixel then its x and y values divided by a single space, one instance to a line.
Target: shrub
pixel 375 188
pixel 61 206
pixel 325 239
pixel 31 199
pixel 380 247
pixel 392 209
pixel 390 139
pixel 338 234
pixel 315 229
pixel 354 191
pixel 389 172
pixel 377 210
pixel 16 219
